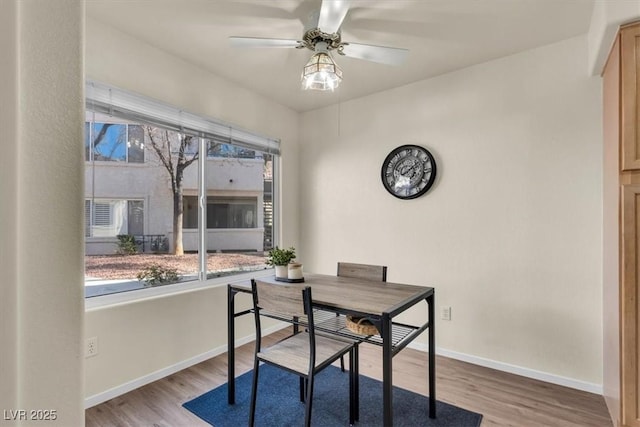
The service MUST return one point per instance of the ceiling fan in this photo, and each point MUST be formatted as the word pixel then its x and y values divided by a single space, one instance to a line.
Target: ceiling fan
pixel 322 35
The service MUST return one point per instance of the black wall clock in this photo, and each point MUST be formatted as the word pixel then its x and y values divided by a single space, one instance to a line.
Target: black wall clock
pixel 408 172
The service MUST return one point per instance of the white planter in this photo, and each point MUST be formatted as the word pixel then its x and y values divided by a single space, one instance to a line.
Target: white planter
pixel 282 271
pixel 295 271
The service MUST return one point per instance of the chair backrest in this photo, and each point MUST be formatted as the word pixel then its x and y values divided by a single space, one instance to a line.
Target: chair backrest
pixel 287 300
pixel 363 271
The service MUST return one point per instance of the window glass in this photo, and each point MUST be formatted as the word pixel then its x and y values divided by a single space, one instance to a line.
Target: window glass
pixel 131 241
pixel 267 201
pixel 109 142
pixel 87 141
pixel 135 144
pixel 229 151
pixel 109 218
pixel 239 211
pixel 135 217
pixel 114 142
pixel 141 218
pixel 190 145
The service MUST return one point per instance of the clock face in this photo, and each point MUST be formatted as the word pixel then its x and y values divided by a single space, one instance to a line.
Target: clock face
pixel 408 171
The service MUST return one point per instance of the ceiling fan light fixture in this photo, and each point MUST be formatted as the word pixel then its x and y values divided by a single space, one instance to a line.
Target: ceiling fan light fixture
pixel 321 73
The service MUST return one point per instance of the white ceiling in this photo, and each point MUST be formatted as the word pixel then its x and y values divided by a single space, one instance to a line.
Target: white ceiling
pixel 442 36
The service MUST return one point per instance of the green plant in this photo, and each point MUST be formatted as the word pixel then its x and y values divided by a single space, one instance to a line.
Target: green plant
pixel 155 274
pixel 279 256
pixel 127 244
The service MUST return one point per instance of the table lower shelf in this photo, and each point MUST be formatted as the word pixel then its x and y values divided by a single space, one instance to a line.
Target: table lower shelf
pixel 328 322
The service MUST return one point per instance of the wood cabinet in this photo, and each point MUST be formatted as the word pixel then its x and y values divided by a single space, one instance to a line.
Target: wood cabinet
pixel 621 228
pixel 630 60
pixel 630 410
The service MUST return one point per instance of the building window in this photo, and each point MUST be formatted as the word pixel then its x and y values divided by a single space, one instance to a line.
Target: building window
pixel 229 151
pixel 114 142
pixel 110 218
pixel 230 212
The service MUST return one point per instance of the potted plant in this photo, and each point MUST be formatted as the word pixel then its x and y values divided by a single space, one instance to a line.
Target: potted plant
pixel 280 259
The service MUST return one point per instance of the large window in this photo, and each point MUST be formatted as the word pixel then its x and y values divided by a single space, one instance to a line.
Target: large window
pixel 142 221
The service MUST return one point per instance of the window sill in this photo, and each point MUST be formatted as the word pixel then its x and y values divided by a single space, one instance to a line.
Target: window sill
pixel 128 297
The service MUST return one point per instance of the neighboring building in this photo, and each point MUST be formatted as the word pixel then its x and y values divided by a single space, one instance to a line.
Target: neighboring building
pixel 128 191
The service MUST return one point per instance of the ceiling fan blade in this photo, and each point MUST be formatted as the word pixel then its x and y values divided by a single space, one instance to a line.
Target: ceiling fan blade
pixel 262 42
pixel 332 14
pixel 380 54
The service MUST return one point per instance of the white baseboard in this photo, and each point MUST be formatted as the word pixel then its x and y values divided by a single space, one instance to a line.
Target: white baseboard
pixel 96 399
pixel 514 369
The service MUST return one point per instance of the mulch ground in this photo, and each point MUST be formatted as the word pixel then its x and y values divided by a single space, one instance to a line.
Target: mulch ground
pixel 128 266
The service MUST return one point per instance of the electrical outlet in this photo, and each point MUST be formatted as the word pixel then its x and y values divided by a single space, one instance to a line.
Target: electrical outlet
pixel 446 313
pixel 91 348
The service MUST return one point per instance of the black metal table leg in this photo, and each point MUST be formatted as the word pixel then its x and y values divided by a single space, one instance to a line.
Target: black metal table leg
pixel 231 349
pixel 387 371
pixel 432 355
pixel 356 365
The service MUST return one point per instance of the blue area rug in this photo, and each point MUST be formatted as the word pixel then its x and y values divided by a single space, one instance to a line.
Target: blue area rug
pixel 279 405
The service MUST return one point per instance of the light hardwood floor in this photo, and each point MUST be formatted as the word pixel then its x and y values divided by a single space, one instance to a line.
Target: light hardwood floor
pixel 503 399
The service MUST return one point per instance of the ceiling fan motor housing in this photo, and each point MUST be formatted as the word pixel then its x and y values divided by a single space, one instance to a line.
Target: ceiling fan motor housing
pixel 315 36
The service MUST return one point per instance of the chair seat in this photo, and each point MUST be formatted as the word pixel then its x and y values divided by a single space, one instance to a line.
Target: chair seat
pixel 293 352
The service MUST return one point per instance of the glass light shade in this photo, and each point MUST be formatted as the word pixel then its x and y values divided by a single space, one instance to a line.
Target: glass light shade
pixel 321 73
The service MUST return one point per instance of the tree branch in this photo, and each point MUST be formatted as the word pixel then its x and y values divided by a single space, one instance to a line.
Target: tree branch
pixel 165 160
pixel 103 132
pixel 156 147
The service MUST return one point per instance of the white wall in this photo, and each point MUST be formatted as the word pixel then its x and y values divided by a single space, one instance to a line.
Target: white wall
pixel 510 234
pixel 138 340
pixel 9 196
pixel 42 297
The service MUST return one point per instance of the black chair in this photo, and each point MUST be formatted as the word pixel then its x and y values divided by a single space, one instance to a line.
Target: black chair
pixel 361 271
pixel 304 353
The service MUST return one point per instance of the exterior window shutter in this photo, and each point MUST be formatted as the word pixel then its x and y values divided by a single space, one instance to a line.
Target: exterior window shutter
pixel 87 218
pixel 102 215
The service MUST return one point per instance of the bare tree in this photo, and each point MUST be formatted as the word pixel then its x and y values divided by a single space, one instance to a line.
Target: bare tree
pixel 175 157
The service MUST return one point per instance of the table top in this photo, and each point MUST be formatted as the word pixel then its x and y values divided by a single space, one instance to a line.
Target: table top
pixel 357 296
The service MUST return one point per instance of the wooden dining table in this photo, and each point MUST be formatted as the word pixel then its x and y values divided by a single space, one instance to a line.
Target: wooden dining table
pixel 379 302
